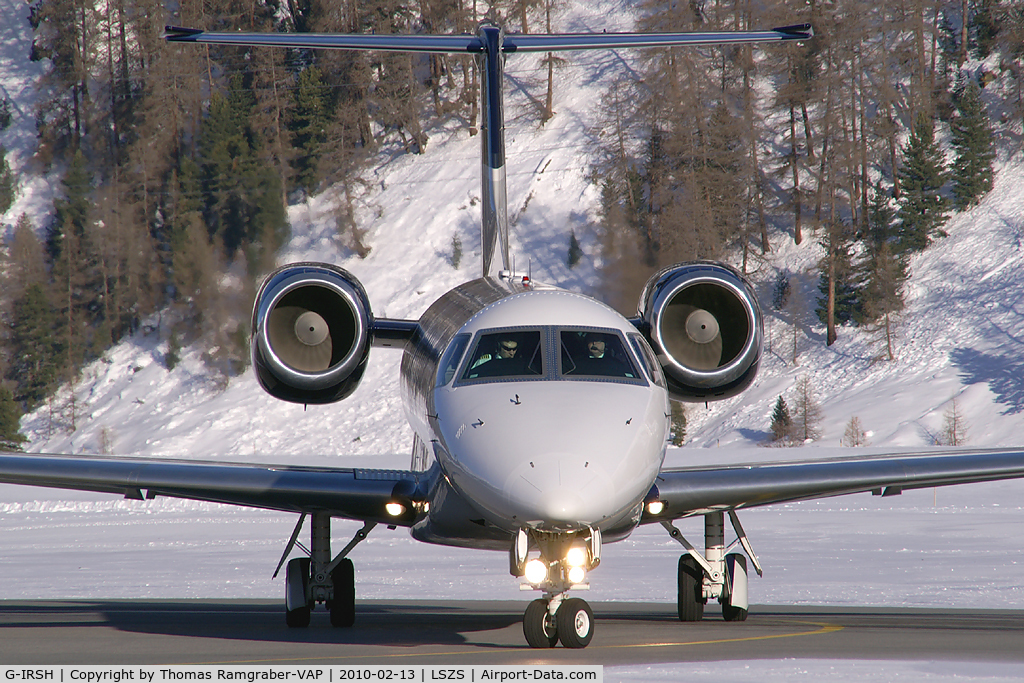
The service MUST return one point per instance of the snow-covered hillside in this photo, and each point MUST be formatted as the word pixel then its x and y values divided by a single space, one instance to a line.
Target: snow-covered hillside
pixel 959 338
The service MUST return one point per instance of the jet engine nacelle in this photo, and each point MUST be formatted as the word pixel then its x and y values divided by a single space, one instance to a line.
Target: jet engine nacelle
pixel 705 326
pixel 311 333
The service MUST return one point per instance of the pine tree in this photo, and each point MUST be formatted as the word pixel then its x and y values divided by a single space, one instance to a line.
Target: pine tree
pixel 73 211
pixel 922 209
pixel 309 125
pixel 5 113
pixel 8 183
pixel 575 251
pixel 782 422
pixel 782 290
pixel 224 153
pixel 677 433
pixel 36 345
pixel 880 217
pixel 807 416
pixel 954 426
pixel 78 285
pixel 882 295
pixel 10 420
pixel 855 435
pixel 838 275
pixel 243 207
pixel 972 139
pixel 193 260
pixel 984 27
pixel 456 251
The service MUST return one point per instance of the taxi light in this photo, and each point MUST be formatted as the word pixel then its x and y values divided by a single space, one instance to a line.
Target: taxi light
pixel 394 509
pixel 655 507
pixel 576 557
pixel 536 571
pixel 577 574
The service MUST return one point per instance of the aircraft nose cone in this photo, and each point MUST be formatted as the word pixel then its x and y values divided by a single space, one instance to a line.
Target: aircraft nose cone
pixel 561 490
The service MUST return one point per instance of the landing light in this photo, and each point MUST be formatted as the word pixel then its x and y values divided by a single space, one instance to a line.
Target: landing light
pixel 577 574
pixel 655 507
pixel 394 509
pixel 576 557
pixel 536 571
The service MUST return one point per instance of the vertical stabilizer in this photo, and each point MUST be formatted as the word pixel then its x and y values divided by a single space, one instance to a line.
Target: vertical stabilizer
pixel 494 219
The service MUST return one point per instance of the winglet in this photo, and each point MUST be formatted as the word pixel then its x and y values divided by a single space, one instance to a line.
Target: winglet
pixel 796 31
pixel 180 33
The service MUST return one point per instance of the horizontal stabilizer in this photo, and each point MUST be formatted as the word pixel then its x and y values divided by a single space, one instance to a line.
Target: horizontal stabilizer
pixel 798 31
pixel 512 42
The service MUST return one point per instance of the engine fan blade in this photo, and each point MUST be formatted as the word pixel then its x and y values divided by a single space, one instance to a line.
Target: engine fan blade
pixel 697 338
pixel 301 338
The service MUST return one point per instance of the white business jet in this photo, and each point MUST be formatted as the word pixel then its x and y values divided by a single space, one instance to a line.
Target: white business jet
pixel 540 415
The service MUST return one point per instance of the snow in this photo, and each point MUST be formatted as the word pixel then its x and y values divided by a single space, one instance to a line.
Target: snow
pixel 960 337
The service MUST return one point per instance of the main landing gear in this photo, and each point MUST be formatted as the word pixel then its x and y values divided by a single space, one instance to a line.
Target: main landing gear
pixel 318 579
pixel 563 563
pixel 720 574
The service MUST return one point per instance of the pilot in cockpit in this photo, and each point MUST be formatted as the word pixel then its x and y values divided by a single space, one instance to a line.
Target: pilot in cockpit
pixel 502 361
pixel 505 350
pixel 599 359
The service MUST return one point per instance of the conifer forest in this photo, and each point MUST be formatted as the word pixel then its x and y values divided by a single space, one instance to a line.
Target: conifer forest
pixel 179 161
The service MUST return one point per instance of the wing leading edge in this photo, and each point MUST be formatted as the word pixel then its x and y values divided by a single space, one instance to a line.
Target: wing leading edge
pixel 699 490
pixel 352 493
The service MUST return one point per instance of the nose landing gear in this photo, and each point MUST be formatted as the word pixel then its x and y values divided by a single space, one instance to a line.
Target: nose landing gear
pixel 555 617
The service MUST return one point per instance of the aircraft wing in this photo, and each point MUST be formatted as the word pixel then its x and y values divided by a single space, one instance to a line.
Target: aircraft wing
pixel 696 490
pixel 344 492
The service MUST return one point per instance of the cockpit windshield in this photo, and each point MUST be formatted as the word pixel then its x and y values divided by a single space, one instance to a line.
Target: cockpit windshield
pixel 591 353
pixel 506 354
pixel 548 353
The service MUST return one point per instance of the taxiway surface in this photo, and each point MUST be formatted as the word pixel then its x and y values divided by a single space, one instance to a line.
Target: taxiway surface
pixel 484 632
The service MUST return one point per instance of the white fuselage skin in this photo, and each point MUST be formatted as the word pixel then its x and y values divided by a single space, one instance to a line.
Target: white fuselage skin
pixel 555 453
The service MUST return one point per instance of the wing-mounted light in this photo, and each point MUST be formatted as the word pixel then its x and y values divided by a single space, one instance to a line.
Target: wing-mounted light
pixel 312 329
pixel 704 323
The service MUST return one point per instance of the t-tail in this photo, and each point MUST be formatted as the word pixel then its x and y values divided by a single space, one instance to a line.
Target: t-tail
pixel 490 46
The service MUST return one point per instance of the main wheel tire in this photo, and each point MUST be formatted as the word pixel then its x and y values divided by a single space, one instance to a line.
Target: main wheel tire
pixel 691 589
pixel 575 623
pixel 296 612
pixel 730 613
pixel 540 632
pixel 297 618
pixel 343 606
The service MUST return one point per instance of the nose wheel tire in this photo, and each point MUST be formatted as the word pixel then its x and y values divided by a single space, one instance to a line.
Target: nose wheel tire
pixel 539 629
pixel 575 623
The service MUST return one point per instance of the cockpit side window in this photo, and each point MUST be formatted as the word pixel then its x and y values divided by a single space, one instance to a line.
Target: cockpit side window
pixel 506 354
pixel 643 350
pixel 595 353
pixel 450 360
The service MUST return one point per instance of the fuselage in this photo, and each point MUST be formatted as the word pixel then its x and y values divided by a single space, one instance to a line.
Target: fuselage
pixel 544 410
